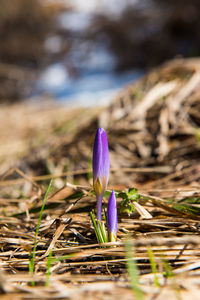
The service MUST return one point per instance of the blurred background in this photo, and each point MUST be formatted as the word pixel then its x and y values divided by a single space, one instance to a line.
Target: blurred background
pixel 82 52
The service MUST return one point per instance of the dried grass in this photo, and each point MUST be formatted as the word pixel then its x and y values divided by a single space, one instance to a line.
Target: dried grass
pixel 155 150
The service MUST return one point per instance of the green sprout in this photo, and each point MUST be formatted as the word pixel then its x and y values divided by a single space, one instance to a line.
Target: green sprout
pixel 128 197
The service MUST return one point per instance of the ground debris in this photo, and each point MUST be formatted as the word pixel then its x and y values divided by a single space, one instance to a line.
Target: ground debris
pixel 155 150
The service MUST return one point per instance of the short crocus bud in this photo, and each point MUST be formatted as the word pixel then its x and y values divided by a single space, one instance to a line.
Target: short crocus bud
pixel 101 167
pixel 112 217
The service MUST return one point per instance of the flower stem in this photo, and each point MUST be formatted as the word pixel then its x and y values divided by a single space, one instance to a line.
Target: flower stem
pixel 99 207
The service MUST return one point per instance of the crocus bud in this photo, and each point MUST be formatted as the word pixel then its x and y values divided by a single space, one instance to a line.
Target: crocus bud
pixel 112 217
pixel 101 167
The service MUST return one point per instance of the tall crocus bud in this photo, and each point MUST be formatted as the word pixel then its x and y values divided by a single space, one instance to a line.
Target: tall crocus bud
pixel 101 166
pixel 112 217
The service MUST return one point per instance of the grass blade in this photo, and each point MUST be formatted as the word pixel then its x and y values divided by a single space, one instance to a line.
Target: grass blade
pixel 153 266
pixel 48 272
pixel 32 258
pixel 97 232
pixel 133 271
pixel 103 233
pixel 168 273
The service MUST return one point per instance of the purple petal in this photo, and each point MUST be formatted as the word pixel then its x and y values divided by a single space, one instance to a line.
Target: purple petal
pixel 101 167
pixel 101 163
pixel 112 214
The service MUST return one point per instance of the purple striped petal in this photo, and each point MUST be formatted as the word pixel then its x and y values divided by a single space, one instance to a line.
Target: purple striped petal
pixel 112 217
pixel 101 167
pixel 101 163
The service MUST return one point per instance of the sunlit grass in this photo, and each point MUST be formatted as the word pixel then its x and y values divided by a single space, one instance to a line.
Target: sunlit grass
pixel 33 254
pixel 133 271
pixel 153 266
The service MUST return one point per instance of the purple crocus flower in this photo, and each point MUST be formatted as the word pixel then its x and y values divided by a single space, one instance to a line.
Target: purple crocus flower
pixel 101 167
pixel 112 217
